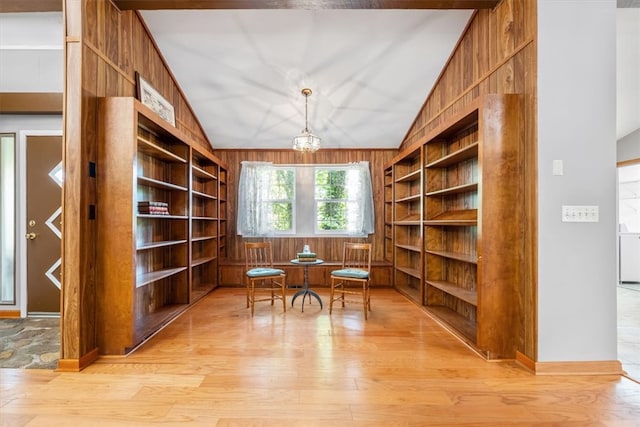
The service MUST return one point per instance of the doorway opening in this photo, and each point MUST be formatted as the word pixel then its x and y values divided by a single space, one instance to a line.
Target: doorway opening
pixel 628 289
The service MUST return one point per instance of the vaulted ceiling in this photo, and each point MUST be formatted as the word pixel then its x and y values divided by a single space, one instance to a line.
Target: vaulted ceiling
pixel 369 63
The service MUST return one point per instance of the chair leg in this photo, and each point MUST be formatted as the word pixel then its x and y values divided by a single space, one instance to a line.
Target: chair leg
pixel 247 288
pixel 364 299
pixel 284 295
pixel 253 297
pixel 331 295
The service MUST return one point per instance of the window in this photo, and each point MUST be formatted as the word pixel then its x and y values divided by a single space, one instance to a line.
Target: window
pixel 305 200
pixel 281 200
pixel 7 219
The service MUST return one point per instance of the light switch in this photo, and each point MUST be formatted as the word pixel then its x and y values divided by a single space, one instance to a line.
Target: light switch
pixel 580 214
pixel 558 168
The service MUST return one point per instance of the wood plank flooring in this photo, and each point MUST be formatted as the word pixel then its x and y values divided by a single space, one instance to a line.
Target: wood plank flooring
pixel 217 366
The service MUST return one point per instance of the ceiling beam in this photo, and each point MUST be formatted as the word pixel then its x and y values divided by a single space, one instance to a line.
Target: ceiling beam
pixel 16 6
pixel 304 4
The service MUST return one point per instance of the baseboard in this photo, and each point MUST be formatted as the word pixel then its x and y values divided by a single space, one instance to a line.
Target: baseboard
pixel 9 314
pixel 525 362
pixel 604 367
pixel 76 365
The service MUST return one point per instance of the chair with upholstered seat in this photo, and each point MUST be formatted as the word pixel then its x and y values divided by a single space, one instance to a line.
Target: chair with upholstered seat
pixel 262 277
pixel 354 277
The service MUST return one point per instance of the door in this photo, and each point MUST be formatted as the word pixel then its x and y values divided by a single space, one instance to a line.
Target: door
pixel 43 234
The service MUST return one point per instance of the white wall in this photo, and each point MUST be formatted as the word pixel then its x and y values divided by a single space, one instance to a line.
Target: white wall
pixel 629 147
pixel 577 124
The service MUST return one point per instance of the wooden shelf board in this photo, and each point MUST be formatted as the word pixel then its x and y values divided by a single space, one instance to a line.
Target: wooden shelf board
pixel 411 176
pixel 159 244
pixel 463 326
pixel 154 276
pixel 163 216
pixel 471 259
pixel 202 238
pixel 465 153
pixel 467 217
pixel 160 184
pixel 411 198
pixel 203 195
pixel 465 188
pixel 410 292
pixel 204 218
pixel 201 290
pixel 154 150
pixel 148 325
pixel 413 272
pixel 412 248
pixel 199 261
pixel 408 222
pixel 202 173
pixel 452 289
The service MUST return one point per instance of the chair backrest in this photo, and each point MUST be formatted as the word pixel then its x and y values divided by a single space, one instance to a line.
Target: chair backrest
pixel 258 254
pixel 357 255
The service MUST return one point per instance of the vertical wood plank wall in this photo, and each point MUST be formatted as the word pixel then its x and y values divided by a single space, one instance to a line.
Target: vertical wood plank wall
pixel 285 248
pixel 104 48
pixel 496 54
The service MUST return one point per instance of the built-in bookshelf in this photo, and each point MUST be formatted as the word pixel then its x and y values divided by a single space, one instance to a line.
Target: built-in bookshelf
pixel 471 224
pixel 407 223
pixel 204 223
pixel 158 218
pixel 388 214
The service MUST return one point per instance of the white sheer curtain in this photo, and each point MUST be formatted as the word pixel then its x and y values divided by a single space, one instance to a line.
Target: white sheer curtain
pixel 360 217
pixel 253 194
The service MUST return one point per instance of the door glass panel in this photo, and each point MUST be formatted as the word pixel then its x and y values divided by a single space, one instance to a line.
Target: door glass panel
pixel 7 219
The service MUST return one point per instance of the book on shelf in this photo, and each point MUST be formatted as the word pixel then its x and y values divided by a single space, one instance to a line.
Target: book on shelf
pixel 147 207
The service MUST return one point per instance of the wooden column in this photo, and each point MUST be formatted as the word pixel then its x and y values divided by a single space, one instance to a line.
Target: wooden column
pixel 78 348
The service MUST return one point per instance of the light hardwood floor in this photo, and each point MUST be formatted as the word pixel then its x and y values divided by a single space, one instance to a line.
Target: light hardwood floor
pixel 217 366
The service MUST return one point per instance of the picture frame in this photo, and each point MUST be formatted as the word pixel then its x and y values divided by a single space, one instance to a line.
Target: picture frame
pixel 150 97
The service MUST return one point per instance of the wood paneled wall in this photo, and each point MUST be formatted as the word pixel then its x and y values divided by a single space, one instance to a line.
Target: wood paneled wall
pixel 104 48
pixel 496 54
pixel 286 248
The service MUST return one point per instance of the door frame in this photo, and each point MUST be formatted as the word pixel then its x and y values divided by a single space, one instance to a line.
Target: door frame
pixel 21 214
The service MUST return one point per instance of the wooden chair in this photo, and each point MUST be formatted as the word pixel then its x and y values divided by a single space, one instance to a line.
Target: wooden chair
pixel 356 269
pixel 261 276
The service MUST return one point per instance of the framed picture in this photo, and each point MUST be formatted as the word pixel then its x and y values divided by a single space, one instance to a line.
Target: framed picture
pixel 150 97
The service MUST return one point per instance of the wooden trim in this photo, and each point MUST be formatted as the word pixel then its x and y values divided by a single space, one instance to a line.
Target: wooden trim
pixel 31 103
pixel 102 56
pixel 76 365
pixel 525 361
pixel 9 314
pixel 604 367
pixel 628 162
pixel 13 6
pixel 304 4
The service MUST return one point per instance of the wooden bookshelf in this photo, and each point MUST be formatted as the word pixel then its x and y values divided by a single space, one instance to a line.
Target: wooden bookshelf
pixel 463 262
pixel 155 258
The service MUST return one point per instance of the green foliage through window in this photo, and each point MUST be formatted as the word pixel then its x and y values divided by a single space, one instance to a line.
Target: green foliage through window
pixel 281 199
pixel 331 199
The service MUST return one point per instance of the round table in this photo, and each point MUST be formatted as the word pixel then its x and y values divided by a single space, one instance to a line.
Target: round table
pixel 305 289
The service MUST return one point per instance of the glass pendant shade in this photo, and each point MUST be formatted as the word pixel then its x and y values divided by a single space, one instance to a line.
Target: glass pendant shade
pixel 306 141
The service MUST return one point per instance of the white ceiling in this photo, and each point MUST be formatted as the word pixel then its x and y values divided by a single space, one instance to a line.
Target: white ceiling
pixel 369 70
pixel 242 70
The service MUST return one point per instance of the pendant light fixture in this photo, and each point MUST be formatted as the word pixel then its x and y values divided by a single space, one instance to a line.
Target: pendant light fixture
pixel 306 141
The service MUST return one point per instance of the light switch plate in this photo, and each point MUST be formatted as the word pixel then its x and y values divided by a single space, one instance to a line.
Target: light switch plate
pixel 580 214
